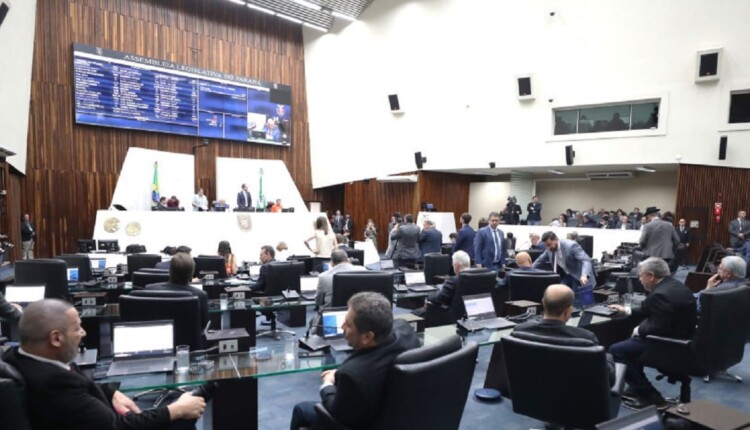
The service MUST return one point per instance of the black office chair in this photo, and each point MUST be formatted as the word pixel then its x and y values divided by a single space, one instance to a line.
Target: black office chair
pixel 470 282
pixel 137 262
pixel 135 249
pixel 436 265
pixel 357 254
pixel 282 276
pixel 140 278
pixel 210 263
pixel 80 261
pixel 305 259
pixel 13 413
pixel 180 307
pixel 418 379
pixel 526 285
pixel 347 284
pixel 718 343
pixel 551 378
pixel 51 273
pixel 534 253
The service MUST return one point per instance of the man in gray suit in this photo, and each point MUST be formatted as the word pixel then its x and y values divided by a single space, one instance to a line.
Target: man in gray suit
pixel 731 273
pixel 406 249
pixel 568 259
pixel 658 238
pixel 738 230
pixel 341 264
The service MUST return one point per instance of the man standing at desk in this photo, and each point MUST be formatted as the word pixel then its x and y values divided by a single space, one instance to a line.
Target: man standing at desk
pixel 568 259
pixel 670 311
pixel 181 270
pixel 658 238
pixel 534 210
pixel 430 238
pixel 738 230
pixel 28 237
pixel 244 200
pixel 200 201
pixel 489 245
pixel 59 396
pixel 465 238
pixel 353 393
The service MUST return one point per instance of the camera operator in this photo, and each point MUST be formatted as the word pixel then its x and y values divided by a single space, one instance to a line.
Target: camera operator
pixel 512 211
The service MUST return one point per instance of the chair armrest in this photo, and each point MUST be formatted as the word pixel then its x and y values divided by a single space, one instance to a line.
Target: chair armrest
pixel 619 385
pixel 325 420
pixel 670 341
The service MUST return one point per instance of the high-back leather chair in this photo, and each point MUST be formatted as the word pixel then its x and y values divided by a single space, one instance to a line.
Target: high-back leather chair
pixel 180 307
pixel 141 279
pixel 347 284
pixel 436 264
pixel 718 343
pixel 526 285
pixel 356 254
pixel 282 276
pixel 551 378
pixel 534 253
pixel 471 282
pixel 13 414
pixel 418 380
pixel 81 262
pixel 49 272
pixel 306 259
pixel 137 262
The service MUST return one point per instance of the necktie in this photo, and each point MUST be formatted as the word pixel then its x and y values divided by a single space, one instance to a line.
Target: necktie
pixel 497 245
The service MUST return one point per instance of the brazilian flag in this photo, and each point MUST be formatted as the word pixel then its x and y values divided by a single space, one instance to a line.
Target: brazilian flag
pixel 155 186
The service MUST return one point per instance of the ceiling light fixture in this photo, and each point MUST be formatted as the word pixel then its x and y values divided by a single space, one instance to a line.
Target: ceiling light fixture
pixel 289 18
pixel 342 16
pixel 645 169
pixel 556 172
pixel 262 9
pixel 308 4
pixel 315 27
pixel 239 2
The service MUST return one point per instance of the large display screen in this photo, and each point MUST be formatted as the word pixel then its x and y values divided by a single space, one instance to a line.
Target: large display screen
pixel 116 89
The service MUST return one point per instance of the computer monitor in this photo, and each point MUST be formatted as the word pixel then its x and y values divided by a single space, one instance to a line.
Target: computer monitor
pixel 73 274
pixel 331 321
pixel 143 339
pixel 24 294
pixel 108 245
pixel 86 246
pixel 211 263
pixel 98 263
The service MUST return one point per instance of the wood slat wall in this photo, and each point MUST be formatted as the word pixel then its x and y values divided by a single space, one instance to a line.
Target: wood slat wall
pixel 72 169
pixel 698 188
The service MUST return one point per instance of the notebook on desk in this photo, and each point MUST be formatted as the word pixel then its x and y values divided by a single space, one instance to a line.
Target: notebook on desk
pixel 23 295
pixel 331 321
pixel 142 347
pixel 480 314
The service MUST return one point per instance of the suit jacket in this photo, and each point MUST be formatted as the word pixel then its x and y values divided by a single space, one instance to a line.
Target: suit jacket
pixel 338 224
pixel 684 236
pixel 28 231
pixel 465 240
pixel 324 294
pixel 406 246
pixel 430 240
pixel 576 260
pixel 444 297
pixel 725 285
pixel 260 284
pixel 200 294
pixel 534 211
pixel 8 311
pixel 484 247
pixel 355 398
pixel 241 200
pixel 59 399
pixel 670 311
pixel 734 229
pixel 659 239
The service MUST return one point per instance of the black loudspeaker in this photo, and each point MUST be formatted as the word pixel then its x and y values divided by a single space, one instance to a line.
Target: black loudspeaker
pixel 709 64
pixel 419 160
pixel 492 164
pixel 393 100
pixel 4 8
pixel 723 148
pixel 569 155
pixel 524 86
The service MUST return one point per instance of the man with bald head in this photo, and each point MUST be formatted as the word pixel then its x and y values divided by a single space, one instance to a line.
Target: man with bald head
pixel 60 397
pixel 558 308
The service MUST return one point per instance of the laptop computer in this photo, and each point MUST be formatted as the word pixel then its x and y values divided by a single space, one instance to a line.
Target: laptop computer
pixel 72 275
pixel 386 264
pixel 480 314
pixel 23 295
pixel 330 326
pixel 142 347
pixel 308 286
pixel 415 281
pixel 601 310
pixel 254 271
pixel 98 264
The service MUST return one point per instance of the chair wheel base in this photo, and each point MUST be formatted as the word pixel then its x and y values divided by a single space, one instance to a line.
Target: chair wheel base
pixel 488 395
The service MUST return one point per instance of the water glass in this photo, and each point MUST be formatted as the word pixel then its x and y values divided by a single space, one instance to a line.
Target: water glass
pixel 223 300
pixel 627 301
pixel 183 358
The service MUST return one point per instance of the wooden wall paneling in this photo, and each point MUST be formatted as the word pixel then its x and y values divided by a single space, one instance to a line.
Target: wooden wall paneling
pixel 72 169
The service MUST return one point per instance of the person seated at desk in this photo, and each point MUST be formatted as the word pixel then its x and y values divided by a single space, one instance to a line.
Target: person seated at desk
pixel 352 394
pixel 277 206
pixel 173 202
pixel 9 311
pixel 558 308
pixel 162 204
pixel 444 297
pixel 59 396
pixel 171 251
pixel 221 206
pixel 181 269
pixel 267 254
pixel 342 242
pixel 731 273
pixel 524 263
pixel 534 242
pixel 340 264
pixel 225 251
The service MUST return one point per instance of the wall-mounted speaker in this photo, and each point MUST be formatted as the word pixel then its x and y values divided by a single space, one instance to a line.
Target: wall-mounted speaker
pixel 524 86
pixel 492 164
pixel 723 148
pixel 569 155
pixel 708 65
pixel 419 160
pixel 393 101
pixel 4 8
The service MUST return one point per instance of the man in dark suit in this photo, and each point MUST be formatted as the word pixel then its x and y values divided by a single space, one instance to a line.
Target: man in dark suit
pixel 683 233
pixel 181 269
pixel 465 237
pixel 489 245
pixel 444 297
pixel 568 259
pixel 353 393
pixel 738 229
pixel 430 238
pixel 534 210
pixel 337 223
pixel 348 227
pixel 28 237
pixel 406 248
pixel 658 238
pixel 670 311
pixel 267 254
pixel 244 200
pixel 60 397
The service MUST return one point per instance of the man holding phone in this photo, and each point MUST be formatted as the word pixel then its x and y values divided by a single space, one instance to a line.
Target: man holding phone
pixel 731 273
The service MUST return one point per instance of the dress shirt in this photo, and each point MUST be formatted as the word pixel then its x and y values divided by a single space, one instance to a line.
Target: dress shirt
pixel 496 239
pixel 43 359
